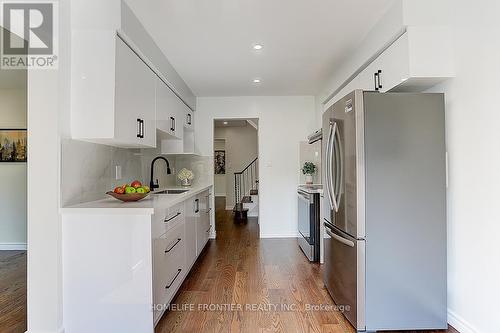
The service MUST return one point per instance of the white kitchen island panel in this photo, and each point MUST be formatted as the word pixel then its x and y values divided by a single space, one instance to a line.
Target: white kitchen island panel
pixel 107 273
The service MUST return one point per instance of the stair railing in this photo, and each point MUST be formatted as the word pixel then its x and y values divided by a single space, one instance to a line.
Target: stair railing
pixel 245 181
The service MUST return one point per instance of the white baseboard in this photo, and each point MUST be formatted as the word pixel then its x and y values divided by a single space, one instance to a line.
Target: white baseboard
pixel 459 323
pixel 13 246
pixel 285 235
pixel 220 195
pixel 60 330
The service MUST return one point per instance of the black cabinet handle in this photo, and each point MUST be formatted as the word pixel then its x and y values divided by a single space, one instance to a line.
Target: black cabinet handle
pixel 142 128
pixel 173 217
pixel 197 205
pixel 170 249
pixel 189 118
pixel 378 81
pixel 209 229
pixel 139 128
pixel 172 124
pixel 375 75
pixel 175 277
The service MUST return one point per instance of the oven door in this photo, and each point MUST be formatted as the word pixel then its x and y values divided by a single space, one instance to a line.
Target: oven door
pixel 305 206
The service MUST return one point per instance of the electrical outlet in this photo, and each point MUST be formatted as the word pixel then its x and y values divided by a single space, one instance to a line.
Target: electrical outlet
pixel 118 172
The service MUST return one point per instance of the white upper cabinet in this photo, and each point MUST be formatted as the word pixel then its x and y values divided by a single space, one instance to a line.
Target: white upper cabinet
pixel 181 141
pixel 419 59
pixel 135 121
pixel 170 113
pixel 116 71
pixel 117 106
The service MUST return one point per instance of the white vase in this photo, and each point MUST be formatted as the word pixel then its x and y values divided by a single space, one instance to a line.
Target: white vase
pixel 309 179
pixel 186 182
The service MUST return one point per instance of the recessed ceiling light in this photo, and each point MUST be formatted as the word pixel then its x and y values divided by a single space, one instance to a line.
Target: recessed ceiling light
pixel 257 47
pixel 256 81
pixel 225 123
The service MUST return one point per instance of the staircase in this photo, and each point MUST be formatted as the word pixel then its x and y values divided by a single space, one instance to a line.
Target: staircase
pixel 246 192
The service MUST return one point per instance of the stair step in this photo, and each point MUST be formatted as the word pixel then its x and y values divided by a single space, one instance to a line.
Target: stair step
pixel 246 199
pixel 239 208
pixel 254 192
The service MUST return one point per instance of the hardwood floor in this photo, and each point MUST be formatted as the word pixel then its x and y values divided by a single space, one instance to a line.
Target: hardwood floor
pixel 242 283
pixel 12 291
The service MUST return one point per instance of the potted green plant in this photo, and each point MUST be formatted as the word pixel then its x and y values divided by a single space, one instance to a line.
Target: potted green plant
pixel 309 169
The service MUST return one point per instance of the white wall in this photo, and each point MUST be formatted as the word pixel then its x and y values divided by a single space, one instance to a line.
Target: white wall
pixel 48 120
pixel 44 226
pixel 241 149
pixel 473 139
pixel 283 123
pixel 13 108
pixel 13 113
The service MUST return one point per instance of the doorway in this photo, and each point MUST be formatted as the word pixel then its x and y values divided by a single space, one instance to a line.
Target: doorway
pixel 236 169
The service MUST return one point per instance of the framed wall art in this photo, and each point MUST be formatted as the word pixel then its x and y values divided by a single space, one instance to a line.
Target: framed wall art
pixel 13 145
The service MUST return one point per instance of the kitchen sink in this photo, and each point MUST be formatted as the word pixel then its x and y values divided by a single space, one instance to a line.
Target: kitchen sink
pixel 171 192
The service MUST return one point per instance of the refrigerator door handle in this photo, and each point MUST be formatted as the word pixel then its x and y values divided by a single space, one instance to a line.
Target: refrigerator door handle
pixel 339 169
pixel 339 239
pixel 328 165
pixel 330 186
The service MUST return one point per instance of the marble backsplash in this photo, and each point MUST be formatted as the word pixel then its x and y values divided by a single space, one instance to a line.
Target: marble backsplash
pixel 88 169
pixel 202 167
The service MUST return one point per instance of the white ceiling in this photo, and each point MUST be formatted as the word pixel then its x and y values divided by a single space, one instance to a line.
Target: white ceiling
pixel 230 123
pixel 234 122
pixel 210 42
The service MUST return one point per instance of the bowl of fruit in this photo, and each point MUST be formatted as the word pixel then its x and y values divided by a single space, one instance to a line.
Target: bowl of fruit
pixel 128 193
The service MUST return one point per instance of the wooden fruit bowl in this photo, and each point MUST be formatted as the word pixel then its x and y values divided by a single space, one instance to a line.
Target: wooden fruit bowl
pixel 128 197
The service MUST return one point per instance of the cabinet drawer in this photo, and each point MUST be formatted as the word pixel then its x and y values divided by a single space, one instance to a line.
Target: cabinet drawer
pixel 169 246
pixel 167 219
pixel 174 216
pixel 169 255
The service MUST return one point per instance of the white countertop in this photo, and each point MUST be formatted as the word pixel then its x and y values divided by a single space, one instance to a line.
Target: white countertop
pixel 145 206
pixel 312 188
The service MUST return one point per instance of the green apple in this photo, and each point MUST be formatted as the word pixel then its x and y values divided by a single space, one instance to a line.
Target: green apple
pixel 130 190
pixel 140 190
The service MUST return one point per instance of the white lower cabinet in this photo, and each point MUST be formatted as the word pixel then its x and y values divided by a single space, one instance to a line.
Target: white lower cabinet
pixel 179 235
pixel 124 265
pixel 192 215
pixel 168 267
pixel 203 226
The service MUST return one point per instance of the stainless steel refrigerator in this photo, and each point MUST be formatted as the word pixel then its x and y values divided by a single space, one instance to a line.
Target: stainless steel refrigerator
pixel 385 209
